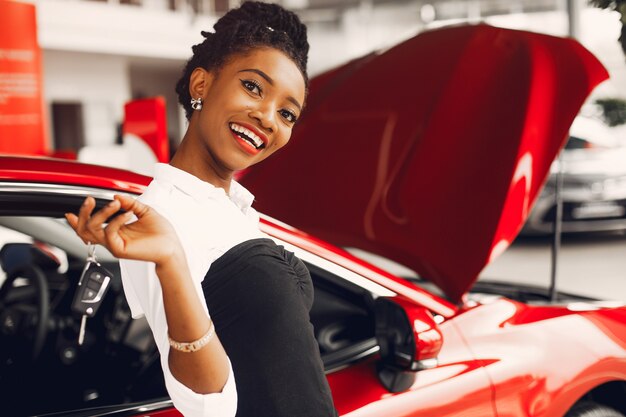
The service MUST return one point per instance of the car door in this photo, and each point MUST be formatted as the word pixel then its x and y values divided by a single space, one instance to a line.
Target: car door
pixel 43 368
pixel 118 363
pixel 343 317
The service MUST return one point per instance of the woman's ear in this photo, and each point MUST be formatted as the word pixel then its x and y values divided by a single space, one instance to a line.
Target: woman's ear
pixel 200 82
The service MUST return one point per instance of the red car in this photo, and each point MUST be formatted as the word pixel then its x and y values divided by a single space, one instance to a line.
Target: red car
pixel 396 178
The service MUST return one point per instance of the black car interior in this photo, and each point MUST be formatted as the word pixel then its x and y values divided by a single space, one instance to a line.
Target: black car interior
pixel 44 370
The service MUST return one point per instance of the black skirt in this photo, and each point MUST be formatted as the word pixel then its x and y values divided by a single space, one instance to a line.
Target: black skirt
pixel 259 296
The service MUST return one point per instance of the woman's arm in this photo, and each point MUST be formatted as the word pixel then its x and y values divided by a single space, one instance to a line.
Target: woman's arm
pixel 206 370
pixel 152 239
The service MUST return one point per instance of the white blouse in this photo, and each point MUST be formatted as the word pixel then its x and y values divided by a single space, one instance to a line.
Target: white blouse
pixel 208 222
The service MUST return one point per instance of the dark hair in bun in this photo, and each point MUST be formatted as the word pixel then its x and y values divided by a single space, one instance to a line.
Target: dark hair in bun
pixel 254 24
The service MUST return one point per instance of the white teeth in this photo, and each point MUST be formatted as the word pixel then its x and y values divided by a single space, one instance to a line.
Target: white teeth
pixel 257 140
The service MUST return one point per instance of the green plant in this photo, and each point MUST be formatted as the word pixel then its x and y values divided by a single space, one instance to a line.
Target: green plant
pixel 613 110
pixel 605 4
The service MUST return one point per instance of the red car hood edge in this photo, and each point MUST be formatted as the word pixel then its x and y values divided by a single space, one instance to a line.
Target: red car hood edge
pixel 433 152
pixel 62 171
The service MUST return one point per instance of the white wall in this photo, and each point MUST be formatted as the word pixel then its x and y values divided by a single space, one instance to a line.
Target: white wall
pixel 364 30
pixel 599 31
pixel 98 81
pixel 90 47
pixel 153 81
pixel 100 43
pixel 360 32
pixel 88 26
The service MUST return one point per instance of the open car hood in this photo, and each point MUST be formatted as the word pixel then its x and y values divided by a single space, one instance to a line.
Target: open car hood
pixel 431 153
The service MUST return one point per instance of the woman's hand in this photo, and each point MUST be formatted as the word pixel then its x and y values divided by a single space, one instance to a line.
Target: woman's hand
pixel 151 238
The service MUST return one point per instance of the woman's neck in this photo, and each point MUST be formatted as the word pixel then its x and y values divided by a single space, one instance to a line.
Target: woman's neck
pixel 193 162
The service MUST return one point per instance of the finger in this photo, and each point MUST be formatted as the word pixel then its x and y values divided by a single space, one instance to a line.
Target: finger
pixel 119 221
pixel 83 216
pixel 72 220
pixel 130 204
pixel 84 213
pixel 114 241
pixel 95 225
pixel 96 221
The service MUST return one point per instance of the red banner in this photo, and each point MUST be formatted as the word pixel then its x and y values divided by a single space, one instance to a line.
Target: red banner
pixel 21 104
pixel 147 119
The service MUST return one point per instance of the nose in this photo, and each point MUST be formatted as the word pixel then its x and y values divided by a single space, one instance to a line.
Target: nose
pixel 265 116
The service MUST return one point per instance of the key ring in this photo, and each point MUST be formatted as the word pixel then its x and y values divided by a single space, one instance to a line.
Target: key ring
pixel 91 252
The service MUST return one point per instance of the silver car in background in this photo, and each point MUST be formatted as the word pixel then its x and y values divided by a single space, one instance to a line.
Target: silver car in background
pixel 593 167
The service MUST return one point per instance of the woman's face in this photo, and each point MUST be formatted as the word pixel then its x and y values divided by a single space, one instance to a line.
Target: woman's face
pixel 249 108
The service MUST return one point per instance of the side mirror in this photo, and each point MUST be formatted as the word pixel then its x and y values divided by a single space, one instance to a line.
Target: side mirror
pixel 409 341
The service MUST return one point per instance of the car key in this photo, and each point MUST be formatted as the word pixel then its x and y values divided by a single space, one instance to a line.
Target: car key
pixel 92 287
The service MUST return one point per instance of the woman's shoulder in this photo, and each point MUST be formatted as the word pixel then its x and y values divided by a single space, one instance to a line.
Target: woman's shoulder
pixel 178 205
pixel 258 251
pixel 262 267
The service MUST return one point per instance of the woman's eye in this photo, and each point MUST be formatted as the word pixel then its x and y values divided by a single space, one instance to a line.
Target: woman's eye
pixel 251 86
pixel 288 115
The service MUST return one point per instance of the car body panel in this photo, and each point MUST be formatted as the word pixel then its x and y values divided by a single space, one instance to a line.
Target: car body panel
pixel 61 171
pixel 459 385
pixel 498 357
pixel 432 150
pixel 562 353
pixel 418 196
pixel 57 171
pixel 357 265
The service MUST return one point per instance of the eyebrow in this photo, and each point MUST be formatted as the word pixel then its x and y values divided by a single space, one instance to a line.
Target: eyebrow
pixel 271 82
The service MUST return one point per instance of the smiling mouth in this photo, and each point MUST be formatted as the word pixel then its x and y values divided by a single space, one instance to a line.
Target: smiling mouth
pixel 248 136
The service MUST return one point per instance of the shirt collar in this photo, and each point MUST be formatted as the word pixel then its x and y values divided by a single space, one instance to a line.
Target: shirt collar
pixel 195 187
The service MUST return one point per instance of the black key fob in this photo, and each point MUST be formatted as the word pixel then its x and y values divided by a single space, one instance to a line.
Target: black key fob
pixel 92 287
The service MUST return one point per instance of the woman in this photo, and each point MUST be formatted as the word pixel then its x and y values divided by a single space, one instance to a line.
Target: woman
pixel 195 246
